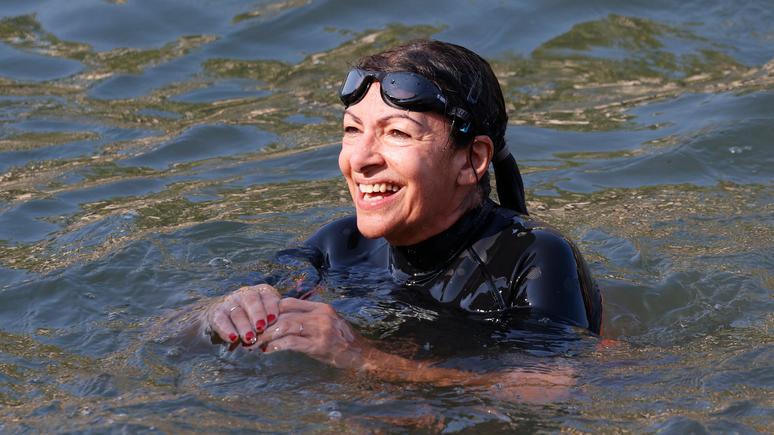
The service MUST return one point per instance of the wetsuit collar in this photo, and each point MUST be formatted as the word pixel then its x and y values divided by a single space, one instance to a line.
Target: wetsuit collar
pixel 429 256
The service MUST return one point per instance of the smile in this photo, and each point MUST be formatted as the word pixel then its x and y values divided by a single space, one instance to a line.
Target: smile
pixel 375 192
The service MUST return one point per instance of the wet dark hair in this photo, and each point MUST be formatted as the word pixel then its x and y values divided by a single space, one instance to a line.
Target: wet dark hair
pixel 468 82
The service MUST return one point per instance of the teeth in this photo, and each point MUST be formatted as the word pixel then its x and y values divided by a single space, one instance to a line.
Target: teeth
pixel 378 188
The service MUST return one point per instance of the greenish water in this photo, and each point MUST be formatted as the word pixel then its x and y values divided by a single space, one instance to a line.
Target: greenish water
pixel 143 142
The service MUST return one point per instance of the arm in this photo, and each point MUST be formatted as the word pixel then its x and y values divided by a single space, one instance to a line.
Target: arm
pixel 553 280
pixel 316 330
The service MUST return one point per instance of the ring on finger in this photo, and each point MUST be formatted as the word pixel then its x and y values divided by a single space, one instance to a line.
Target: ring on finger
pixel 232 309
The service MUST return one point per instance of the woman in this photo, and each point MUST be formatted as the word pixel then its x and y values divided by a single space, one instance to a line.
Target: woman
pixel 422 123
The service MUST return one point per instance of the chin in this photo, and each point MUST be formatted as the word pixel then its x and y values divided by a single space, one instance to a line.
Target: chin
pixel 368 231
pixel 371 228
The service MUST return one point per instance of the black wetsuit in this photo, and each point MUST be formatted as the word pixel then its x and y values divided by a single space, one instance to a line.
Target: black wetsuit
pixel 493 261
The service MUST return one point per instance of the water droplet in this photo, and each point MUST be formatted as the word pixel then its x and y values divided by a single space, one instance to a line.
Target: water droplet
pixel 334 415
pixel 173 352
pixel 735 150
pixel 220 262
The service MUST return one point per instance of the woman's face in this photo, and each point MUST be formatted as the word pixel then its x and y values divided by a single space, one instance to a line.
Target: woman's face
pixel 404 179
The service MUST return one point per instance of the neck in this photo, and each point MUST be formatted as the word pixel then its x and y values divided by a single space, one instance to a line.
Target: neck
pixel 432 254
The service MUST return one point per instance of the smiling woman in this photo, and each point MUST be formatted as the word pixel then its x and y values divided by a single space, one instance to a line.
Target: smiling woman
pixel 431 186
pixel 423 121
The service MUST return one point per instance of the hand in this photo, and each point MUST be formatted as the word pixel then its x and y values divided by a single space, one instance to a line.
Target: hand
pixel 315 329
pixel 244 312
pixel 541 384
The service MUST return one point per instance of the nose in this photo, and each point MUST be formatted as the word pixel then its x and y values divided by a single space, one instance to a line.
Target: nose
pixel 365 157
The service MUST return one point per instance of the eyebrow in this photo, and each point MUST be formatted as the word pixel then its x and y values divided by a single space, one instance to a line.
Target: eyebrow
pixel 384 119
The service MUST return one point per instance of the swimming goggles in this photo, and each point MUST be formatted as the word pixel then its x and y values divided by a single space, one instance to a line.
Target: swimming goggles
pixel 402 90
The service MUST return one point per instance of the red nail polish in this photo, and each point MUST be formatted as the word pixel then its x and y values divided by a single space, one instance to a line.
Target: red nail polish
pixel 260 324
pixel 271 317
pixel 232 337
pixel 250 337
pixel 263 350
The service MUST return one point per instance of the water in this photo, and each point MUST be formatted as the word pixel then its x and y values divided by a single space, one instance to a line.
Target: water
pixel 155 154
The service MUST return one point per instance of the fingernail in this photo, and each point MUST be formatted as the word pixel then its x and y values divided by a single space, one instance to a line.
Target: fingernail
pixel 250 337
pixel 271 317
pixel 232 337
pixel 260 324
pixel 263 350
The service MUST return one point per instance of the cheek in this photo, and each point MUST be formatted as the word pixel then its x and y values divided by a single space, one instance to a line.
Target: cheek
pixel 409 165
pixel 428 173
pixel 344 165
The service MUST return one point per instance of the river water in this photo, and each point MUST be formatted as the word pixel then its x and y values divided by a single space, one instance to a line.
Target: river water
pixel 156 154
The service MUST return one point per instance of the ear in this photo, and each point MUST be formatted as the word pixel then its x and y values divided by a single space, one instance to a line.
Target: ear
pixel 477 162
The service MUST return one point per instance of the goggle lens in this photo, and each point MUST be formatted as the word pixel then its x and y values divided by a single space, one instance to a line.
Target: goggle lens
pixel 352 87
pixel 402 90
pixel 398 89
pixel 405 88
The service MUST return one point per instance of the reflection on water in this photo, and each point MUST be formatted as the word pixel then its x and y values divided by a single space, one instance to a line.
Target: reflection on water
pixel 141 141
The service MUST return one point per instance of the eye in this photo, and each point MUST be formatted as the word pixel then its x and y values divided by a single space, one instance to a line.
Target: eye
pixel 348 129
pixel 400 134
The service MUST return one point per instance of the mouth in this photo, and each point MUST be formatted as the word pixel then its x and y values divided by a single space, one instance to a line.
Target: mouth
pixel 375 192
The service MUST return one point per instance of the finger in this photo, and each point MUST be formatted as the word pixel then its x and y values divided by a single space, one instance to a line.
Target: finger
pixel 259 301
pixel 256 313
pixel 242 323
pixel 286 325
pixel 221 324
pixel 263 288
pixel 288 342
pixel 293 304
pixel 271 305
pixel 284 328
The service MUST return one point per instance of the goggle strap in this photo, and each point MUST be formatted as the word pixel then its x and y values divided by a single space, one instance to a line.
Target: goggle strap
pixel 475 90
pixel 463 115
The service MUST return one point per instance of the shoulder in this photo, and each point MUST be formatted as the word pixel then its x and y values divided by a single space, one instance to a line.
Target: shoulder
pixel 342 244
pixel 333 231
pixel 544 269
pixel 511 233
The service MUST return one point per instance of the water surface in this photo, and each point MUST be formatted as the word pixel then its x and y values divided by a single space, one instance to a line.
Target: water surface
pixel 155 154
